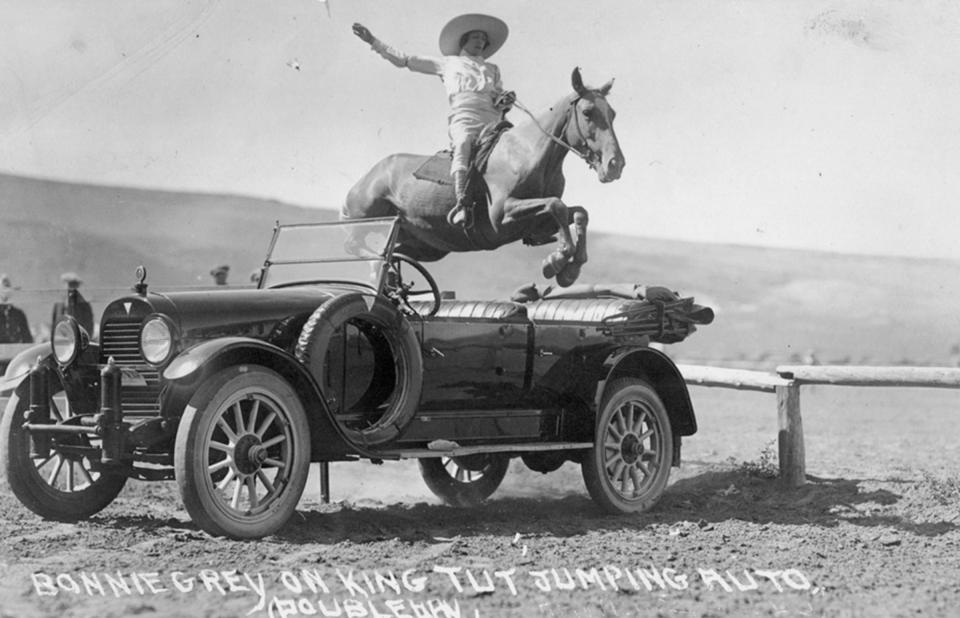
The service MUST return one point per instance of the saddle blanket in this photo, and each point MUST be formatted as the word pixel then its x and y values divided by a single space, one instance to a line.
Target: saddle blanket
pixel 436 168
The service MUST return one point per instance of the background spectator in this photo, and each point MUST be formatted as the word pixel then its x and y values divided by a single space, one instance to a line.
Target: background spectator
pixel 74 305
pixel 13 322
pixel 219 274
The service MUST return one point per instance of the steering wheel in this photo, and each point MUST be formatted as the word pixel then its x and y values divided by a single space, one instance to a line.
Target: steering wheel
pixel 401 291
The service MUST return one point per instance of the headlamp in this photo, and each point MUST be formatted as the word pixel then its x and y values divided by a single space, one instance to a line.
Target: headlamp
pixel 156 340
pixel 68 340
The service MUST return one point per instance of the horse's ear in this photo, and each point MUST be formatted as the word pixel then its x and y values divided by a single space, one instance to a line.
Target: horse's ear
pixel 577 81
pixel 605 89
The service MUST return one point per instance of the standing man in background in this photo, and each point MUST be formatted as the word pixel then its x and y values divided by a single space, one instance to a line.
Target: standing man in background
pixel 13 322
pixel 74 305
pixel 219 274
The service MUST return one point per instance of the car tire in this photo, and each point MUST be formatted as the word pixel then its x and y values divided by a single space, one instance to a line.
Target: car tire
pixel 242 453
pixel 464 481
pixel 627 469
pixel 59 486
pixel 407 367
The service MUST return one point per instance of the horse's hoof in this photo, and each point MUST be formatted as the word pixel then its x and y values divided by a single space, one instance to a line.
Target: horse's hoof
pixel 568 276
pixel 553 264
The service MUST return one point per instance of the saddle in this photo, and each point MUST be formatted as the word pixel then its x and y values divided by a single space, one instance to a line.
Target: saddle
pixel 437 168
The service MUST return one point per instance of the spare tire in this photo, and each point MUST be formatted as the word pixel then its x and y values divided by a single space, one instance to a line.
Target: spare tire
pixel 391 399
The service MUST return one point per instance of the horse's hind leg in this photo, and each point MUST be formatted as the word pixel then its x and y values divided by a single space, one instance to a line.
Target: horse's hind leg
pixel 354 209
pixel 366 200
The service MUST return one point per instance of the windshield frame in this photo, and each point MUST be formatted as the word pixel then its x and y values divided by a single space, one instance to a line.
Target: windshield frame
pixel 379 256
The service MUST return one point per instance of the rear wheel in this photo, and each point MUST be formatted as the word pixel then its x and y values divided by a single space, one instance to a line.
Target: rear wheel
pixel 61 481
pixel 243 453
pixel 628 467
pixel 464 481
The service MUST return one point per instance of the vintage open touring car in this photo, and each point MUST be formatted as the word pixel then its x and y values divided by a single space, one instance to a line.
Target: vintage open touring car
pixel 234 392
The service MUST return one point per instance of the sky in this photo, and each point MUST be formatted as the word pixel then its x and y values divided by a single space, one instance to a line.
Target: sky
pixel 828 125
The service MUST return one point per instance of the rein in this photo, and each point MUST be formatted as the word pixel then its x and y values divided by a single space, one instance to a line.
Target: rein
pixel 590 157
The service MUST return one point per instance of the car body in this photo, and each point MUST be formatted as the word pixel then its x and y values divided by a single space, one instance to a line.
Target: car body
pixel 233 393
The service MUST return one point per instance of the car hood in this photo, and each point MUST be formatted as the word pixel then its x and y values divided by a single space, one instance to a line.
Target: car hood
pixel 204 314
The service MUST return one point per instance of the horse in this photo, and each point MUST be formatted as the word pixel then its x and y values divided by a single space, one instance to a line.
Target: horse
pixel 525 183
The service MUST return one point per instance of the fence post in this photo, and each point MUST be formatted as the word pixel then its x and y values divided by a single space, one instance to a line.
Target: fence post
pixel 325 482
pixel 792 464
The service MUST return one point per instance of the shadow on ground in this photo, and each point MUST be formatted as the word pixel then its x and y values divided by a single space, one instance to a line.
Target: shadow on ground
pixel 710 497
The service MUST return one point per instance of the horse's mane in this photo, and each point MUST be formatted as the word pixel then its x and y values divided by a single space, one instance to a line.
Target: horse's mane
pixel 563 104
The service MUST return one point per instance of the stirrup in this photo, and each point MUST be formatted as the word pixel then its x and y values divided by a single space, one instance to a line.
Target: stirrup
pixel 460 216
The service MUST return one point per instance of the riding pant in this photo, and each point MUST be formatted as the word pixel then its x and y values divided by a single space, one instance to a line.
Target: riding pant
pixel 469 113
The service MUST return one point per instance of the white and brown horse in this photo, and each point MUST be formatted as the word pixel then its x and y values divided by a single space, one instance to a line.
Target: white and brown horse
pixel 525 179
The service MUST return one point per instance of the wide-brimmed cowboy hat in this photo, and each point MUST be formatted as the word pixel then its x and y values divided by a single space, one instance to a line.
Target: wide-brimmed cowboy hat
pixel 451 34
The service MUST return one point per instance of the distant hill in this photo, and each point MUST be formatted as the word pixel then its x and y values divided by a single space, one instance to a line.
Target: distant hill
pixel 771 304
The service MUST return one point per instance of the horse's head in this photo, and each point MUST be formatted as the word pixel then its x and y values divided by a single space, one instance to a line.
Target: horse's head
pixel 590 130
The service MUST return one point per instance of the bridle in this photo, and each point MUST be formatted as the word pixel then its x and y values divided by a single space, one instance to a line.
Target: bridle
pixel 591 157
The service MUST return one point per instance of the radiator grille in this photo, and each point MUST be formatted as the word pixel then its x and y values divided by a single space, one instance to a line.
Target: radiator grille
pixel 120 339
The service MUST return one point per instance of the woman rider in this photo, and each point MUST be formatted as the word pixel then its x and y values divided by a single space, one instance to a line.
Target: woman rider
pixel 473 85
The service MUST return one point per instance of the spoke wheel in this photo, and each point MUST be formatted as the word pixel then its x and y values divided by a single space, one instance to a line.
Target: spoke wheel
pixel 60 483
pixel 628 467
pixel 242 453
pixel 464 481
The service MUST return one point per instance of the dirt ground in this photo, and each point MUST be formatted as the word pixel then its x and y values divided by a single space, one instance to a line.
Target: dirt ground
pixel 873 533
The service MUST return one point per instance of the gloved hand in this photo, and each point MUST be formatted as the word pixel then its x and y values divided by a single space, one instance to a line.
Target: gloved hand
pixel 361 31
pixel 506 99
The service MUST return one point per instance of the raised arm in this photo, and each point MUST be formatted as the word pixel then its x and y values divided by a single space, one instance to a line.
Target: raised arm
pixel 419 64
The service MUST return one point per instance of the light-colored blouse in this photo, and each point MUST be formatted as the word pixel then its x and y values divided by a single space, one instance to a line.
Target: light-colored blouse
pixel 460 74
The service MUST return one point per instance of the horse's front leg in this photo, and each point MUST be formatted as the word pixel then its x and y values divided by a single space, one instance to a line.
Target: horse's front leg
pixel 578 231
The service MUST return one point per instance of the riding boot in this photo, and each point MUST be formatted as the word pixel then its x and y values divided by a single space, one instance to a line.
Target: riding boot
pixel 462 213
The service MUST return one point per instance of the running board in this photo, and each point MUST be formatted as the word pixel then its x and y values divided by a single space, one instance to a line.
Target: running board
pixel 460 451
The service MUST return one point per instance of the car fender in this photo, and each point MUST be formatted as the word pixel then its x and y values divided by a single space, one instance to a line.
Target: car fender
pixel 21 364
pixel 663 375
pixel 188 370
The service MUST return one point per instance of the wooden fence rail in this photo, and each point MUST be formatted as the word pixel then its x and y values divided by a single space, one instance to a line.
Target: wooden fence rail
pixel 786 381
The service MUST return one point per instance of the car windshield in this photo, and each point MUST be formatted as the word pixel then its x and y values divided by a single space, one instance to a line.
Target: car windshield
pixel 348 251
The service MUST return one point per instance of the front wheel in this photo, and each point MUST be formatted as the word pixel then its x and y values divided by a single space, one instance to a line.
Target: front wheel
pixel 62 479
pixel 464 481
pixel 243 453
pixel 627 469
